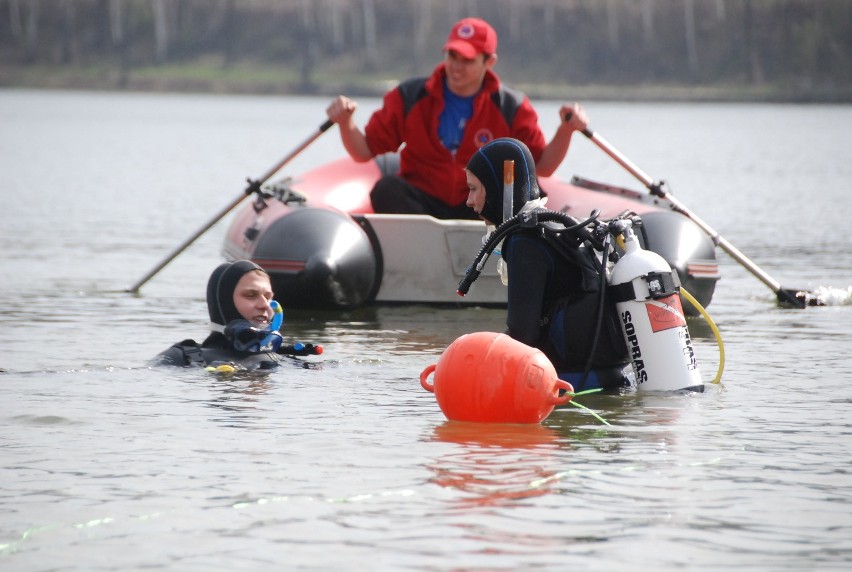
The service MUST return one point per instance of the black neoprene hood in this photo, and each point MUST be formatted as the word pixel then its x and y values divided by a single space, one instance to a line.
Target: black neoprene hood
pixel 220 290
pixel 487 165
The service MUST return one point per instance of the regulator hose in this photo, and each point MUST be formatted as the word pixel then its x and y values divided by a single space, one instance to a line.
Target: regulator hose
pixel 600 313
pixel 527 219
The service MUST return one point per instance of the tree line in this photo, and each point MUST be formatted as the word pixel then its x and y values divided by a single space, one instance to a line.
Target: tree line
pixel 800 44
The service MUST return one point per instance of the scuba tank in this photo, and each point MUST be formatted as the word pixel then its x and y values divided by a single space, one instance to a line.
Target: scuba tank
pixel 644 288
pixel 646 293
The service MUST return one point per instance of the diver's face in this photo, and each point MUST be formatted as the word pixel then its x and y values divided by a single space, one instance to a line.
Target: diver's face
pixel 476 195
pixel 252 296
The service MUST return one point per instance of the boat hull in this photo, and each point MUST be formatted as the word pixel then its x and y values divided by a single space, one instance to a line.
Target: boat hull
pixel 324 247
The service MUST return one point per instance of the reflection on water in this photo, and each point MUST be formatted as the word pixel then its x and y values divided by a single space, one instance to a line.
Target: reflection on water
pixel 238 395
pixel 496 464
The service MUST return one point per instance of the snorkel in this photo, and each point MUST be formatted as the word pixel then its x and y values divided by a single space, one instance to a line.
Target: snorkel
pixel 273 337
pixel 247 338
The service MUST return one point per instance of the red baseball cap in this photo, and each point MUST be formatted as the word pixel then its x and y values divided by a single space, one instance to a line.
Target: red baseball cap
pixel 472 36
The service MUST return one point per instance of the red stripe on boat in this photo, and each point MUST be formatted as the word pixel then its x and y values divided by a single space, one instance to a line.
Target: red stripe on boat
pixel 275 265
pixel 707 269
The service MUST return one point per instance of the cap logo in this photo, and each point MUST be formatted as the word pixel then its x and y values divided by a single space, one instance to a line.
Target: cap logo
pixel 466 32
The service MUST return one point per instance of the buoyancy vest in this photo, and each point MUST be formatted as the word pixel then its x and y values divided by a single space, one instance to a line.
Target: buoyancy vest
pixel 570 321
pixel 189 353
pixel 578 327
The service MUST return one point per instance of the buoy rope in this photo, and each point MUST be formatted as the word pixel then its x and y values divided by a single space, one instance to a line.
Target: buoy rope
pixel 581 406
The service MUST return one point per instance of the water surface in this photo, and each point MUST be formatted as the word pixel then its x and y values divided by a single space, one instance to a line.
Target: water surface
pixel 110 465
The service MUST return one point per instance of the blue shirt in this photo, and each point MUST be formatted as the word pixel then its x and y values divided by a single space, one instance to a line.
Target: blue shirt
pixel 457 110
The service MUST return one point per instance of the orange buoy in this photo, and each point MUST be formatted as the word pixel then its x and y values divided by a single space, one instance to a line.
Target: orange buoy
pixel 491 378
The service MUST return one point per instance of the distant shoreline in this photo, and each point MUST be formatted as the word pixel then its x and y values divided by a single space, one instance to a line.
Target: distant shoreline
pixel 255 81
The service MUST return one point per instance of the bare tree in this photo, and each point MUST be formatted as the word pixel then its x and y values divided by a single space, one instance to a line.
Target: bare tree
pixel 15 26
pixel 334 15
pixel 422 32
pixel 721 12
pixel 785 42
pixel 116 22
pixel 515 13
pixel 647 17
pixel 549 22
pixel 161 31
pixel 307 43
pixel 612 24
pixel 369 10
pixel 755 68
pixel 689 28
pixel 31 30
pixel 69 32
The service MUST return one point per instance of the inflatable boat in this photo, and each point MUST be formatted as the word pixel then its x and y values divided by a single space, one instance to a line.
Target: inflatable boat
pixel 323 246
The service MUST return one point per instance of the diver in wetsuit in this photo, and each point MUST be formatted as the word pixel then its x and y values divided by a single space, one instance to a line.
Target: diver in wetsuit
pixel 554 290
pixel 245 322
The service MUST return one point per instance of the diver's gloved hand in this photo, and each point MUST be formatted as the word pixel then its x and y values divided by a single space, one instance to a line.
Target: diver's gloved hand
pixel 247 338
pixel 300 349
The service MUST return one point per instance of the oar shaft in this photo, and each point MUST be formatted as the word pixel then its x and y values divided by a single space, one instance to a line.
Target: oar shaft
pixel 252 185
pixel 676 205
pixel 185 244
pixel 323 128
pixel 720 240
pixel 629 165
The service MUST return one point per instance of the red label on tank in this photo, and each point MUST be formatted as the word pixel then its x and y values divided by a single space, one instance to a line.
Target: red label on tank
pixel 665 313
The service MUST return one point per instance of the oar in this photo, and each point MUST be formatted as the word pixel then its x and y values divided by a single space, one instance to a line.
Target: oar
pixel 795 298
pixel 253 187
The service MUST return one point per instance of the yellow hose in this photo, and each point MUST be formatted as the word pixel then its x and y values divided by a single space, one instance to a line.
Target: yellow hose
pixel 697 305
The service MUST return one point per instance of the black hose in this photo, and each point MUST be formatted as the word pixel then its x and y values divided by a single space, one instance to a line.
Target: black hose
pixel 599 321
pixel 534 218
pixel 527 219
pixel 605 247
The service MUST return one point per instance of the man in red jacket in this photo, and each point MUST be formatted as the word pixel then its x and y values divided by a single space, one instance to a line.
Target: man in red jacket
pixel 442 120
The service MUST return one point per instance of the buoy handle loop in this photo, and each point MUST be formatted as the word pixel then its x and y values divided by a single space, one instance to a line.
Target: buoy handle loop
pixel 566 397
pixel 425 374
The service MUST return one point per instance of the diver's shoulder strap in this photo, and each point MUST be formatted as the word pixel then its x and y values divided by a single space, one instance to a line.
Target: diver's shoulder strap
pixel 182 354
pixel 191 352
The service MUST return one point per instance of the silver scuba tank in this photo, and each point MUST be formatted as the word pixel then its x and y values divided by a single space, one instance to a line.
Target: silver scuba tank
pixel 646 292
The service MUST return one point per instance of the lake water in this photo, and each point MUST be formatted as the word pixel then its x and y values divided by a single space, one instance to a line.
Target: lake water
pixel 110 465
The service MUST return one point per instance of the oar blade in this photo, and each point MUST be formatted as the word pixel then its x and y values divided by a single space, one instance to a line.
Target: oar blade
pixel 799 299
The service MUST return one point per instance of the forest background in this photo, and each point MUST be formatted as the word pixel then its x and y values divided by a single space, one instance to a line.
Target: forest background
pixel 716 50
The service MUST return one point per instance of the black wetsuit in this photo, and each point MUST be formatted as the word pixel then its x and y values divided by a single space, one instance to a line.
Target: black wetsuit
pixel 553 293
pixel 216 350
pixel 553 307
